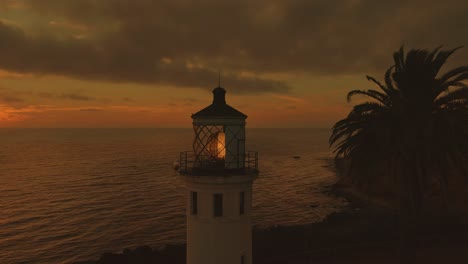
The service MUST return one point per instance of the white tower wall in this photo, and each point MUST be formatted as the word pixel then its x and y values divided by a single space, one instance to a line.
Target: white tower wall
pixel 224 239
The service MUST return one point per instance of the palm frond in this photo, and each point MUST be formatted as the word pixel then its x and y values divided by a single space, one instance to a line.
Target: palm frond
pixel 349 126
pixel 442 57
pixel 457 95
pixel 452 73
pixel 380 97
pixel 446 87
pixel 365 108
pixel 372 79
pixel 399 58
pixel 430 56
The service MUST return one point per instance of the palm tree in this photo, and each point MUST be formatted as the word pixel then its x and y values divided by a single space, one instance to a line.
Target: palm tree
pixel 412 132
pixel 414 128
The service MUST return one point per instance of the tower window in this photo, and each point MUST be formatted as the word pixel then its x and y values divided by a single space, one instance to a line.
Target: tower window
pixel 241 203
pixel 194 203
pixel 218 204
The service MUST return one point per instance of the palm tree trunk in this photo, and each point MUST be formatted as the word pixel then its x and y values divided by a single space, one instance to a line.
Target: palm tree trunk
pixel 408 213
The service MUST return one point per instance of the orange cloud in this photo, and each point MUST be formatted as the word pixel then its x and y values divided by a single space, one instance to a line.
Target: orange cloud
pixel 14 4
pixel 10 74
pixel 9 116
pixel 90 116
pixel 289 98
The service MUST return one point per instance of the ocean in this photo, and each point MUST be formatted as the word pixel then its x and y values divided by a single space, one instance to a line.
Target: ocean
pixel 69 195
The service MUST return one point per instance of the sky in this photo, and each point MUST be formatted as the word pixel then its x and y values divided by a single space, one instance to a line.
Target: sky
pixel 143 63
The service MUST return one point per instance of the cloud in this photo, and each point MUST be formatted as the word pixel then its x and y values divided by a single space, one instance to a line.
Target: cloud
pixel 69 96
pixel 289 98
pixel 46 95
pixel 11 99
pixel 78 97
pixel 185 43
pixel 117 59
pixel 11 114
pixel 12 4
pixel 191 100
pixel 91 110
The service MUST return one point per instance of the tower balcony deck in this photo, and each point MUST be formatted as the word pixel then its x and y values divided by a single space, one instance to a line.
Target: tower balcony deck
pixel 191 164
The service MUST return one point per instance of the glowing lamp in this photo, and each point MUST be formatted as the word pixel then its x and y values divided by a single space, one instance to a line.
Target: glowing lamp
pixel 219 142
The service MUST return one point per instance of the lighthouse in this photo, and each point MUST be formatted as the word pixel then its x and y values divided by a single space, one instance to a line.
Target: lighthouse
pixel 218 175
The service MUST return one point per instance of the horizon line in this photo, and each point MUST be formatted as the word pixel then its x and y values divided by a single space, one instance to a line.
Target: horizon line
pixel 154 127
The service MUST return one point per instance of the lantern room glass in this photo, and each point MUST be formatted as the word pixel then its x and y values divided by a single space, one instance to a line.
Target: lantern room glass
pixel 218 146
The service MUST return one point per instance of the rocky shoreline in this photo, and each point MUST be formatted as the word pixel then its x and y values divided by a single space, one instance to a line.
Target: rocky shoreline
pixel 366 231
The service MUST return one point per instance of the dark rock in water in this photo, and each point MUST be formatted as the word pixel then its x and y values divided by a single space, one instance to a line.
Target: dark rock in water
pixel 176 166
pixel 174 254
pixel 314 205
pixel 111 258
pixel 296 157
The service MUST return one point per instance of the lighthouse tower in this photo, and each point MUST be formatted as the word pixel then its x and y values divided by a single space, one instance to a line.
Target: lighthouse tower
pixel 218 176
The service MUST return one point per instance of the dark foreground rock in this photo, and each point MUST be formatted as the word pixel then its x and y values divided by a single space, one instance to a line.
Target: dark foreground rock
pixel 143 255
pixel 365 232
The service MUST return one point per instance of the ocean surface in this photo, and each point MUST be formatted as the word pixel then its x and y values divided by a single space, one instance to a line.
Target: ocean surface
pixel 72 194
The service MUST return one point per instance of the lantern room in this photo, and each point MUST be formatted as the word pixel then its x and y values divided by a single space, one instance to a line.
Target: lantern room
pixel 219 142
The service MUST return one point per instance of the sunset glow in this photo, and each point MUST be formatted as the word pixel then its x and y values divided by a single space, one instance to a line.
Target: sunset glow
pixel 151 64
pixel 233 131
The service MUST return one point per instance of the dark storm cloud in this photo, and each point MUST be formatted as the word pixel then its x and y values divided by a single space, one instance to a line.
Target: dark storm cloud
pixel 184 43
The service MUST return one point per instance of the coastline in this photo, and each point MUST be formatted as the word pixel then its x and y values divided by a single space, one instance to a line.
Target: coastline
pixel 364 232
pixel 280 243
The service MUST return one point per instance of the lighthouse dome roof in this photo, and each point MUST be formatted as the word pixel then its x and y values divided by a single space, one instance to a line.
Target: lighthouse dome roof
pixel 219 107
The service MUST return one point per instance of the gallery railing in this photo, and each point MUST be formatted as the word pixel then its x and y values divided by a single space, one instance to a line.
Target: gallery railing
pixel 191 163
